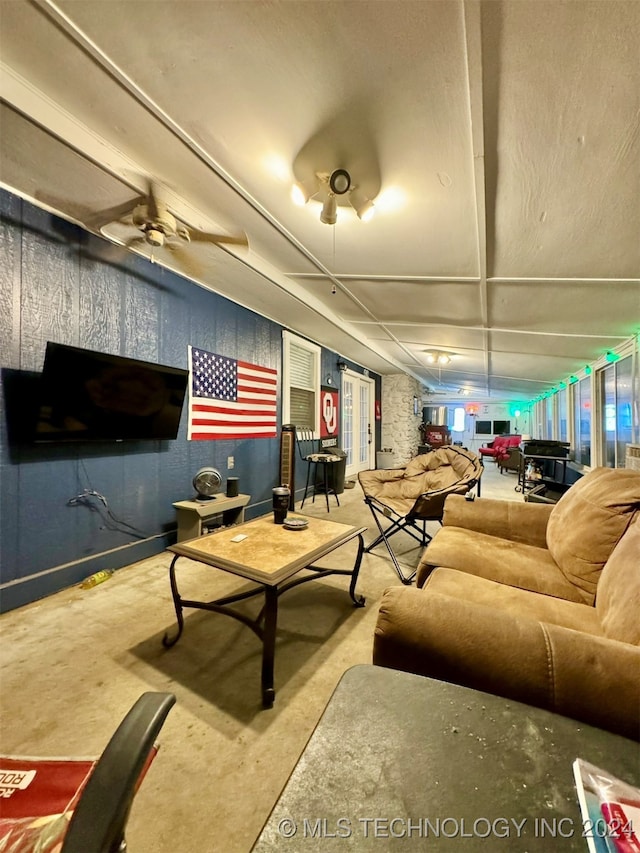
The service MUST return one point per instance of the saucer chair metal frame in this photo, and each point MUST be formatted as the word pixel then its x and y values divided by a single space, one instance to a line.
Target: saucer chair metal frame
pixel 428 506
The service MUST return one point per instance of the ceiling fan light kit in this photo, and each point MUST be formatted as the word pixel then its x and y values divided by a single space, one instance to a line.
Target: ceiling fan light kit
pixel 340 182
pixel 329 212
pixel 331 185
pixel 154 237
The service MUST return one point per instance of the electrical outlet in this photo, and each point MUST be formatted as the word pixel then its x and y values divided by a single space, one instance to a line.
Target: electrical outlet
pixel 230 462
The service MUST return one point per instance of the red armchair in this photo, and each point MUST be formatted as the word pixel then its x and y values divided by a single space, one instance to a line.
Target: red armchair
pixel 497 449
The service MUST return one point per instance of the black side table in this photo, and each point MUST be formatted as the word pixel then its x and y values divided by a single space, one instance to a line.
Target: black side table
pixel 524 483
pixel 407 763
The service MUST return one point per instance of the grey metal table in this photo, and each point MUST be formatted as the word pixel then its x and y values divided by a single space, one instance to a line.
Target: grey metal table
pixel 402 762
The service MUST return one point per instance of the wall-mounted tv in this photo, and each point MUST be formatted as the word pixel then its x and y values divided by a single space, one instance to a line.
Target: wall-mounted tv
pixel 483 427
pixel 501 427
pixel 94 396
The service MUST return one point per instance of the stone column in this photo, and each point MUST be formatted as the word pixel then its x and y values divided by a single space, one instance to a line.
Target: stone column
pixel 399 424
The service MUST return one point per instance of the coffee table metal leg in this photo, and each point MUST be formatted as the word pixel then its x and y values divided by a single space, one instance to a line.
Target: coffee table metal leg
pixel 177 603
pixel 269 644
pixel 358 600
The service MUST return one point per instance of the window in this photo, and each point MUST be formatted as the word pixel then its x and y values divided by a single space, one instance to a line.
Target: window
pixel 548 418
pixel 616 425
pixel 563 431
pixel 458 419
pixel 300 382
pixel 624 408
pixel 582 420
pixel 608 396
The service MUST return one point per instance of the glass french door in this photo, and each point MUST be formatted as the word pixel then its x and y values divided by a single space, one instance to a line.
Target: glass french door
pixel 358 394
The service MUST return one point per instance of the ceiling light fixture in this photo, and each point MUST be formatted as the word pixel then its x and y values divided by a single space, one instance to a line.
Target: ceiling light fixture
pixel 435 357
pixel 340 182
pixel 332 186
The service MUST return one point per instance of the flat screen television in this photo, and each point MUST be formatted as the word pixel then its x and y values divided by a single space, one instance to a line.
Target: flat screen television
pixel 501 427
pixel 92 396
pixel 483 427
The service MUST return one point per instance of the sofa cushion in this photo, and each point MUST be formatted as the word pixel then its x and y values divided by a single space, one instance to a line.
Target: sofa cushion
pixel 518 602
pixel 501 560
pixel 618 598
pixel 587 522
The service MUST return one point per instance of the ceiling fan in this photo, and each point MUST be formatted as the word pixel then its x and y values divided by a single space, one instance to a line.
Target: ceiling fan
pixel 158 229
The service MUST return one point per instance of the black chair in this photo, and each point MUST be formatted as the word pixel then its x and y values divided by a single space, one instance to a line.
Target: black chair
pixel 100 806
pixel 100 818
pixel 512 460
pixel 309 453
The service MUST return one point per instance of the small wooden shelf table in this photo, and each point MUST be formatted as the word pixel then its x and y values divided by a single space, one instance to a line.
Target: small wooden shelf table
pixel 193 516
pixel 269 555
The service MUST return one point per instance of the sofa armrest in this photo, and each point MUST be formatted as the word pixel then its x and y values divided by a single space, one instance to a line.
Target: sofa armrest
pixel 518 522
pixel 589 678
pixel 598 676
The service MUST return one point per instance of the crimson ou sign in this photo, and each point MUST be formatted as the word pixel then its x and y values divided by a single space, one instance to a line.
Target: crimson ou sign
pixel 329 412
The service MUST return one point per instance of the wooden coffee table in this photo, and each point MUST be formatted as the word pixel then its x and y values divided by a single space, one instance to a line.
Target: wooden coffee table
pixel 270 556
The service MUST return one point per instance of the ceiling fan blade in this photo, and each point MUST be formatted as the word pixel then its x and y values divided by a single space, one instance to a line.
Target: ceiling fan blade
pixel 135 242
pixel 112 214
pixel 109 252
pixel 187 263
pixel 61 206
pixel 218 239
pixel 155 204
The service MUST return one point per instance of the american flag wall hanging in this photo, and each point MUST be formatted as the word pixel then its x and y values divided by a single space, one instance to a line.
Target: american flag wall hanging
pixel 229 398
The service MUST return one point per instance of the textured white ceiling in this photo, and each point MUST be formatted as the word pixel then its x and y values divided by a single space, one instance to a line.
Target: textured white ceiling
pixel 501 141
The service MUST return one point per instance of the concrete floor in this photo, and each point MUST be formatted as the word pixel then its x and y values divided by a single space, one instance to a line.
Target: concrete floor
pixel 72 665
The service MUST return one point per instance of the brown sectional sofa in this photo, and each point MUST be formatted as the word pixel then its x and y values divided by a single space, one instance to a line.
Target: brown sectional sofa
pixel 538 603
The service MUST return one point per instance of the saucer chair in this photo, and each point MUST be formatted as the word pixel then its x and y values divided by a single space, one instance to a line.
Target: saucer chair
pixel 406 498
pixel 81 805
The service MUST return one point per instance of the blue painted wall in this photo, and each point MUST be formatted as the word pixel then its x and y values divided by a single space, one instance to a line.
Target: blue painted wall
pixel 60 283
